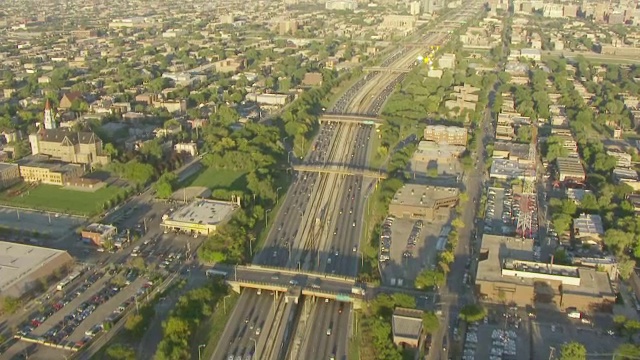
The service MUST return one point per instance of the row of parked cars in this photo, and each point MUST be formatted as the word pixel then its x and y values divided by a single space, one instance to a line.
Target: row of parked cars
pixel 56 304
pixel 413 239
pixel 385 239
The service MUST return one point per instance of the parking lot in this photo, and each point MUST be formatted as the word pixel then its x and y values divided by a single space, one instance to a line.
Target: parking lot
pixel 412 247
pixel 494 210
pixel 53 225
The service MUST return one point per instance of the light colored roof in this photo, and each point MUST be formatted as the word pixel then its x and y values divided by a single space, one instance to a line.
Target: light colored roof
pixel 206 212
pixel 19 260
pixel 407 323
pixel 423 195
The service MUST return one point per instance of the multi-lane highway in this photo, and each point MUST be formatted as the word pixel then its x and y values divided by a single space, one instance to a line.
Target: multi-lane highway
pixel 317 228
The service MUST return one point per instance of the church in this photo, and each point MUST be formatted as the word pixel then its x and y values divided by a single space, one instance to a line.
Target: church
pixel 78 147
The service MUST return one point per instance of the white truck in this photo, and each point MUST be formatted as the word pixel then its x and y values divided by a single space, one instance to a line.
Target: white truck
pixel 357 290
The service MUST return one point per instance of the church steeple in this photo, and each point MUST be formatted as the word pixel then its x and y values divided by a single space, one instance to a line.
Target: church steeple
pixel 49 121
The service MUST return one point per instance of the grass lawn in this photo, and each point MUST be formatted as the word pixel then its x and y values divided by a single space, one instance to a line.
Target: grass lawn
pixel 55 198
pixel 218 179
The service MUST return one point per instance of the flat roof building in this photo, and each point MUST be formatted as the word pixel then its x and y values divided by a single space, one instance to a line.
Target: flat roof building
pixel 423 202
pixel 506 272
pixel 200 216
pixel 570 168
pixel 440 134
pixel 42 169
pixel 23 266
pixel 577 194
pixel 510 151
pixel 407 326
pixel 504 169
pixel 98 233
pixel 588 229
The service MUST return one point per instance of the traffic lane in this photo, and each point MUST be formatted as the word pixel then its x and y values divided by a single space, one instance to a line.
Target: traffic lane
pixel 341 346
pixel 318 338
pixel 227 337
pixel 254 320
pixel 24 350
pixel 237 331
pixel 104 310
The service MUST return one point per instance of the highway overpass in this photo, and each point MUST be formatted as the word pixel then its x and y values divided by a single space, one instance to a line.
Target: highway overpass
pixel 386 69
pixel 341 170
pixel 294 283
pixel 351 119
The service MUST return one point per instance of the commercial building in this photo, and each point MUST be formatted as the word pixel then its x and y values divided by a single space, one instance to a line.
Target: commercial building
pixel 98 233
pixel 9 175
pixel 570 169
pixel 23 267
pixel 398 22
pixel 341 5
pixel 80 147
pixel 504 169
pixel 507 273
pixel 199 217
pixel 441 153
pixel 441 134
pixel 423 202
pixel 407 327
pixel 511 151
pixel 269 99
pixel 41 169
pixel 588 229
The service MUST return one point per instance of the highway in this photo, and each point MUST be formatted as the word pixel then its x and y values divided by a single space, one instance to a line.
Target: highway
pixel 317 228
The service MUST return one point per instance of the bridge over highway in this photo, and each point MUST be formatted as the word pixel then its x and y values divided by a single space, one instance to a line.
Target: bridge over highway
pixel 296 283
pixel 341 170
pixel 386 69
pixel 351 118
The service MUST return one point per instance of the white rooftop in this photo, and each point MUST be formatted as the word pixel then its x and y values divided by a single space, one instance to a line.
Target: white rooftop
pixel 206 212
pixel 19 260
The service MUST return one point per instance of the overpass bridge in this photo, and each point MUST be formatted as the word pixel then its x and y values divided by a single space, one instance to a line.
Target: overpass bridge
pixel 386 69
pixel 351 119
pixel 341 170
pixel 296 283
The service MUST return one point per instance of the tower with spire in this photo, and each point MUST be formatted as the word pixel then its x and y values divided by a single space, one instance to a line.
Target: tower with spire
pixel 49 121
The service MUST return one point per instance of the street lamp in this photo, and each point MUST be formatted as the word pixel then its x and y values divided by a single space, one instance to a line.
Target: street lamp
pixel 200 347
pixel 277 191
pixel 224 303
pixel 255 347
pixel 266 218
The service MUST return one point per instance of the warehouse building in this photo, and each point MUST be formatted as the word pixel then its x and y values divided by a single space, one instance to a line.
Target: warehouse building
pixel 570 169
pixel 24 267
pixel 201 216
pixel 508 273
pixel 424 202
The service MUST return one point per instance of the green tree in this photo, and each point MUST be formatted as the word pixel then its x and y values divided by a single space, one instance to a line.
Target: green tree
pixel 628 352
pixel 429 278
pixel 430 322
pixel 457 223
pixel 472 313
pixel 120 352
pixel 165 185
pixel 573 351
pixel 10 304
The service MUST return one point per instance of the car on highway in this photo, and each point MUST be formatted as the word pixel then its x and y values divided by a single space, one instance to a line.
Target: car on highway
pixel 258 330
pixel 329 331
pixel 293 282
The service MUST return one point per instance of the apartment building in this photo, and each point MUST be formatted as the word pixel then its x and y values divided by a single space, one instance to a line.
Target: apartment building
pixel 441 134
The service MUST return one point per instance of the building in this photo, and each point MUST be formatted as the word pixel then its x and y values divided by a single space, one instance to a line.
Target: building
pixel 447 61
pixel 407 327
pixel 199 217
pixel 441 134
pixel 189 148
pixel 40 169
pixel 622 159
pixel 269 99
pixel 24 267
pixel 287 27
pixel 67 99
pixel 80 147
pixel 570 169
pixel 504 169
pixel 49 121
pixel 588 229
pixel 577 194
pixel 9 175
pixel 399 22
pixel 506 273
pixel 341 5
pixel 230 65
pixel 98 233
pixel 532 54
pixel 417 201
pixel 510 151
pixel 312 79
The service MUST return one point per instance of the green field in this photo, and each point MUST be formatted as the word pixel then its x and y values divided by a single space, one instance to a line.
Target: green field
pixel 219 179
pixel 56 198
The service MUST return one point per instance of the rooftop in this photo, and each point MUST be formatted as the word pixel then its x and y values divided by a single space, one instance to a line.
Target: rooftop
pixel 45 162
pixel 407 323
pixel 422 195
pixel 5 166
pixel 577 194
pixel 570 165
pixel 511 169
pixel 588 224
pixel 520 151
pixel 507 259
pixel 19 260
pixel 207 212
pixel 100 228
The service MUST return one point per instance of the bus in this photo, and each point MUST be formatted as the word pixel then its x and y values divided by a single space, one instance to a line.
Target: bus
pixel 212 273
pixel 62 284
